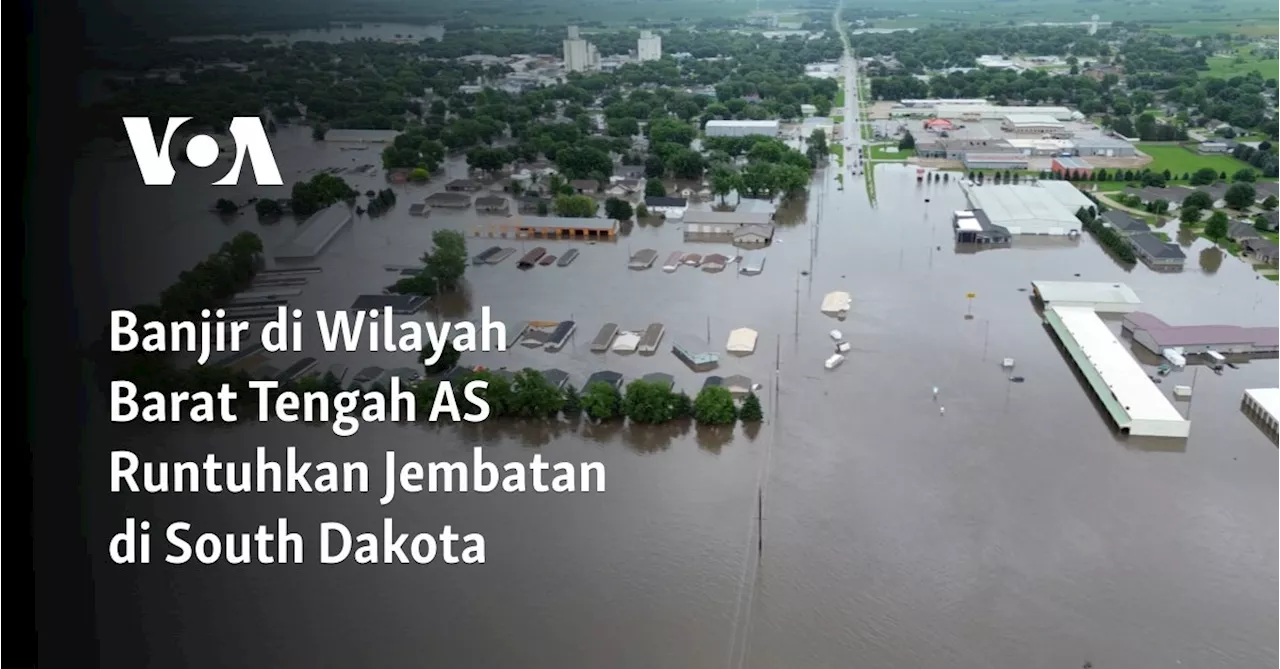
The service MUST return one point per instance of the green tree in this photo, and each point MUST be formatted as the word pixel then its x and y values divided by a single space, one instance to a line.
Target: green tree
pixel 1245 174
pixel 654 188
pixel 907 142
pixel 498 395
pixel 1216 227
pixel 646 402
pixel 1270 203
pixel 448 359
pixel 268 209
pixel 575 206
pixel 602 401
pixel 618 210
pixel 751 411
pixel 1204 176
pixel 714 406
pixel 572 402
pixel 1198 199
pixel 446 263
pixel 642 211
pixel 1240 195
pixel 723 181
pixel 535 397
pixel 681 405
pixel 1190 215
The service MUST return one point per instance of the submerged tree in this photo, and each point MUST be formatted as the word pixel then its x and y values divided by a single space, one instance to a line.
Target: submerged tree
pixel 751 411
pixel 714 406
pixel 602 401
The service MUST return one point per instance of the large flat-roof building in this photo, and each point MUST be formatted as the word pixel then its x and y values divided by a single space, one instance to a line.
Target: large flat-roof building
pixel 726 226
pixel 723 128
pixel 1133 401
pixel 1156 335
pixel 316 233
pixel 1263 406
pixel 1024 210
pixel 990 112
pixel 1032 124
pixel 550 227
pixel 993 161
pixel 1103 147
pixel 1103 297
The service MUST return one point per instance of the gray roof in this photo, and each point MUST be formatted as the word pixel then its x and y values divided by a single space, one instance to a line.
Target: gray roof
pixel 1265 188
pixel 765 231
pixel 1155 247
pixel 1151 194
pixel 1242 230
pixel 727 217
pixel 1165 335
pixel 562 223
pixel 1123 221
pixel 1101 142
pixel 1216 191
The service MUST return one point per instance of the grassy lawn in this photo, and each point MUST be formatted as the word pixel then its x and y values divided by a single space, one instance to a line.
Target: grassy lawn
pixel 1164 236
pixel 1231 66
pixel 837 150
pixel 840 98
pixel 1179 160
pixel 837 119
pixel 891 152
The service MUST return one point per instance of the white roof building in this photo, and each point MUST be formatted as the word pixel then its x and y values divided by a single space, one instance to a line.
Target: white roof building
pixel 1024 210
pixel 722 128
pixel 1100 296
pixel 1067 194
pixel 997 112
pixel 1134 402
pixel 1264 404
pixel 742 340
pixel 1036 120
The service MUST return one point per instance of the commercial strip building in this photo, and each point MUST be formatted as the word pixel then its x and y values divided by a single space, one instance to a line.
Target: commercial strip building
pixel 1156 335
pixel 550 227
pixel 1102 297
pixel 1025 210
pixel 722 128
pixel 1134 402
pixel 970 112
pixel 743 227
pixel 1263 406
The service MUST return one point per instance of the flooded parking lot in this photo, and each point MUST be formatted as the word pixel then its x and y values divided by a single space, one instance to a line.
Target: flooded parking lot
pixel 1016 530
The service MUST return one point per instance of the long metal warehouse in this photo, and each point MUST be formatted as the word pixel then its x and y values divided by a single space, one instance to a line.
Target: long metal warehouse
pixel 1135 403
pixel 1263 405
pixel 1100 296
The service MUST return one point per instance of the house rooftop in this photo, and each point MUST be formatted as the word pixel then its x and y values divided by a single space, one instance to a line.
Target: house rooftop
pixel 1124 221
pixel 1155 247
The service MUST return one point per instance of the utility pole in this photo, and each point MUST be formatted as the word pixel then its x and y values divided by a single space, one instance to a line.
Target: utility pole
pixel 797 306
pixel 760 521
pixel 708 329
pixel 1194 373
pixel 986 333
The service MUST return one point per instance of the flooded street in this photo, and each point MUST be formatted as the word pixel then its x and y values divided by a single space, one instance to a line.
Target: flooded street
pixel 1016 530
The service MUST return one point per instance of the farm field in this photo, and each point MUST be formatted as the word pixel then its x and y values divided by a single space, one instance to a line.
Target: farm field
pixel 1227 67
pixel 1179 160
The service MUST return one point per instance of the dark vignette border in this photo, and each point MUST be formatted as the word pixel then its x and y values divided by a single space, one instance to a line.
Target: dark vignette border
pixel 62 587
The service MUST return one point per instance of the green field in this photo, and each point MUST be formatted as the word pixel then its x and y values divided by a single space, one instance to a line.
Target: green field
pixel 840 98
pixel 1227 67
pixel 837 150
pixel 883 153
pixel 1179 160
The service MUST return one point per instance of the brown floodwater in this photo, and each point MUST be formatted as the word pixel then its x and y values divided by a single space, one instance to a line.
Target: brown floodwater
pixel 1016 530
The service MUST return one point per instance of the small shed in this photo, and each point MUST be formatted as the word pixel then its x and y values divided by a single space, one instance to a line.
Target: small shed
pixel 742 340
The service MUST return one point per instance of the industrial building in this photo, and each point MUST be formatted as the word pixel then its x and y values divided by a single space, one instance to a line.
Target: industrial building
pixel 1130 397
pixel 974 227
pixel 1032 124
pixel 990 112
pixel 1101 297
pixel 1103 147
pixel 1156 252
pixel 316 233
pixel 719 128
pixel 1263 406
pixel 579 54
pixel 1155 335
pixel 649 46
pixel 1025 210
pixel 550 227
pixel 954 148
pixel 1067 194
pixel 1067 166
pixel 993 161
pixel 728 226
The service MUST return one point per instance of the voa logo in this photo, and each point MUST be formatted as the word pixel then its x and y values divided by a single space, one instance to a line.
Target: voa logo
pixel 202 151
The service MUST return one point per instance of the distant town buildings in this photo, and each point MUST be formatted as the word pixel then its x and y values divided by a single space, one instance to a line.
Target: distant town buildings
pixel 579 54
pixel 649 46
